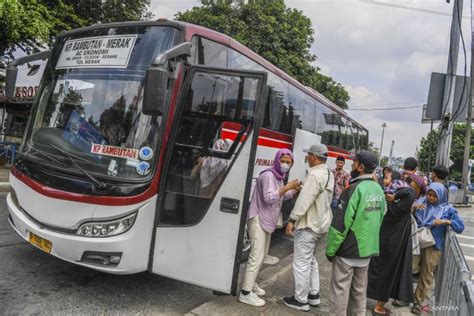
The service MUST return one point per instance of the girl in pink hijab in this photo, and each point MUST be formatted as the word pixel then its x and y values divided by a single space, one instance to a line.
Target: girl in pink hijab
pixel 263 215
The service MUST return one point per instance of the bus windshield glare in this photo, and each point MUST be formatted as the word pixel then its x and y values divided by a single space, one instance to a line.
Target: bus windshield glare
pixel 88 114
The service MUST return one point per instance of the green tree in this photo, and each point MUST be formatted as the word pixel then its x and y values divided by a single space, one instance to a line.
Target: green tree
pixel 281 35
pixel 95 11
pixel 456 155
pixel 374 149
pixel 29 25
pixel 331 89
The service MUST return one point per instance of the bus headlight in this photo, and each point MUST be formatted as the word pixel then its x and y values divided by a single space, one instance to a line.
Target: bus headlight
pixel 107 229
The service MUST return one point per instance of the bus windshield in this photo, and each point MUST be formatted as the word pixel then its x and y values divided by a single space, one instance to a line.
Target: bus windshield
pixel 88 114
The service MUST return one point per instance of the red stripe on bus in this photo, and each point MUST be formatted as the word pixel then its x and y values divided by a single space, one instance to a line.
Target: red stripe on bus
pixel 263 132
pixel 269 138
pixel 231 135
pixel 262 141
pixel 339 150
pixel 337 154
pixel 275 135
pixel 272 143
pixel 232 125
pixel 76 197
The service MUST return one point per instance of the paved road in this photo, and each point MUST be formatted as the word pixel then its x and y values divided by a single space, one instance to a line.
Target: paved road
pixel 33 282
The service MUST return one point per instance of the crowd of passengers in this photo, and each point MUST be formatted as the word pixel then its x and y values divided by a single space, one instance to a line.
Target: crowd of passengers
pixel 382 233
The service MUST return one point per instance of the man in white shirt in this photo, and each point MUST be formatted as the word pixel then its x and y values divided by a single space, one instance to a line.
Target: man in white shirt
pixel 311 216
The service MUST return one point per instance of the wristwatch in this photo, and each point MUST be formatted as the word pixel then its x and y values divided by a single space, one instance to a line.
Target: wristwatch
pixel 292 221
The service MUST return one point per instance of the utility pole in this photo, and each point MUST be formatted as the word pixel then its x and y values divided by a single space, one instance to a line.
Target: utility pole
pixel 381 144
pixel 391 153
pixel 428 169
pixel 467 142
pixel 447 121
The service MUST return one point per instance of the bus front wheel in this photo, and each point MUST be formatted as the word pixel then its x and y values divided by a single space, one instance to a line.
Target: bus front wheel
pixel 246 245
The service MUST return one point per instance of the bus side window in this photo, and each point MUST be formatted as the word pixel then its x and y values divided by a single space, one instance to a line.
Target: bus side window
pixel 207 52
pixel 278 114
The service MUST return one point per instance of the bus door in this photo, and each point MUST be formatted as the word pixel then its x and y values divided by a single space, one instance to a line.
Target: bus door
pixel 303 140
pixel 205 185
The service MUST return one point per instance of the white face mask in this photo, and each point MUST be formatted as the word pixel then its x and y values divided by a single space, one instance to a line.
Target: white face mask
pixel 285 167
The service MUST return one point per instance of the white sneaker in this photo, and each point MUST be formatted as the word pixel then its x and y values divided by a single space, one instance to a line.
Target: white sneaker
pixel 251 299
pixel 257 290
pixel 271 260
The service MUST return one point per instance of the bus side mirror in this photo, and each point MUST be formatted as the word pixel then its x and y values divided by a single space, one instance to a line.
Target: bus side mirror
pixel 155 87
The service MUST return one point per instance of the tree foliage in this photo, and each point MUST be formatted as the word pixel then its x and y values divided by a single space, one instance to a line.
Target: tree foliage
pixel 29 25
pixel 456 155
pixel 94 11
pixel 281 35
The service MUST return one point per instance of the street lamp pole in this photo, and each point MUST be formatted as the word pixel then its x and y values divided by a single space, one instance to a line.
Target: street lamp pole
pixel 381 144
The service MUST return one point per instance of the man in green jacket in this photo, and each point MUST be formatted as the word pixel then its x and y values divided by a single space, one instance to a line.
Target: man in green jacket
pixel 354 236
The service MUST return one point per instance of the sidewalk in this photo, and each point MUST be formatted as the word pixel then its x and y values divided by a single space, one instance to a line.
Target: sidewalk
pixel 277 281
pixel 4 173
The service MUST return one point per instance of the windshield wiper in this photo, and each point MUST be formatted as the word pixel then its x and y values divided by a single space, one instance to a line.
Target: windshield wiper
pixel 41 153
pixel 100 185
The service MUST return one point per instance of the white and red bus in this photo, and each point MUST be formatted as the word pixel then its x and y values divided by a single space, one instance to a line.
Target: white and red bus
pixel 142 144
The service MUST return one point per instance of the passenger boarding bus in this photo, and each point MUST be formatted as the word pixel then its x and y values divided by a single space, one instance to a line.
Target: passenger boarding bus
pixel 143 144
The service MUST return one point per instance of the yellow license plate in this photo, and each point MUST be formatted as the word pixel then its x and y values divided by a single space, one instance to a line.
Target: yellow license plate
pixel 41 243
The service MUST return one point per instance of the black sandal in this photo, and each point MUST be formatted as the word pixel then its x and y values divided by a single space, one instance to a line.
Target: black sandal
pixel 399 303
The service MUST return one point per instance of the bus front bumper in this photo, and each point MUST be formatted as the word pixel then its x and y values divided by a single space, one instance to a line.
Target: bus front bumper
pixel 126 253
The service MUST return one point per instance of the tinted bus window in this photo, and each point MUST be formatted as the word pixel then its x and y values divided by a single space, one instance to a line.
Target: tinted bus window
pixel 331 133
pixel 287 107
pixel 209 53
pixel 364 140
pixel 278 114
pixel 239 61
pixel 305 110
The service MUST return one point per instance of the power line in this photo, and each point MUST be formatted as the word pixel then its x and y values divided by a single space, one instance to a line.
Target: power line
pixel 395 103
pixel 399 6
pixel 387 109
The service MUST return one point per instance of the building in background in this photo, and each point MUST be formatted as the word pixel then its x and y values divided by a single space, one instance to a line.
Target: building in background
pixel 14 111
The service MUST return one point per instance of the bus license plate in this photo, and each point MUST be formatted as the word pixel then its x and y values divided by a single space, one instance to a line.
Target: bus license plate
pixel 41 243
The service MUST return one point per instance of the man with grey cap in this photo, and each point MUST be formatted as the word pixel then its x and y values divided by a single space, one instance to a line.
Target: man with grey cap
pixel 353 237
pixel 311 216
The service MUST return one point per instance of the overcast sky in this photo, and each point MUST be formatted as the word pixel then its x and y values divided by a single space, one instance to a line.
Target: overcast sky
pixel 383 55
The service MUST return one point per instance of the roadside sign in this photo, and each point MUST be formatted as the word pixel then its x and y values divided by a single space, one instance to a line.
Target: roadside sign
pixel 425 119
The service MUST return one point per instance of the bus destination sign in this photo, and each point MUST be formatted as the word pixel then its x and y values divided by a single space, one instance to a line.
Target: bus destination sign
pixel 97 52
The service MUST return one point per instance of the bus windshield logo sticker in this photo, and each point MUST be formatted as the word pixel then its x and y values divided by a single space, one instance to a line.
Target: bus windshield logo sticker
pixel 143 168
pixel 146 153
pixel 97 52
pixel 114 151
